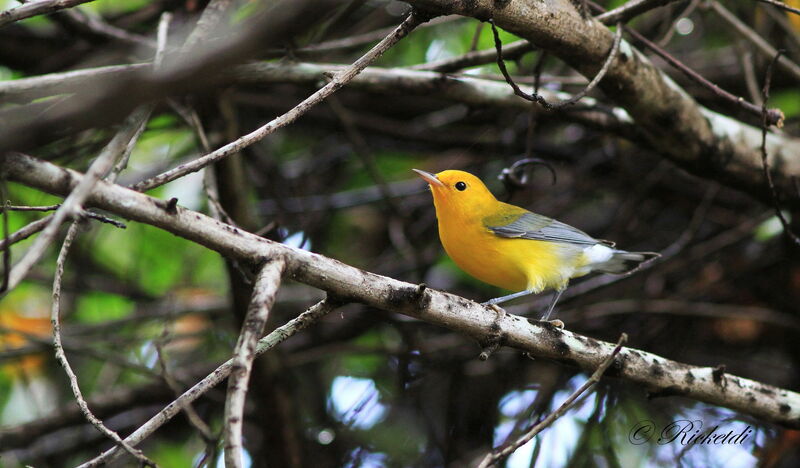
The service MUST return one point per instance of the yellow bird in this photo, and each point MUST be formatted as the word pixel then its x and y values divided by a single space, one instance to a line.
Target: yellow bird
pixel 510 247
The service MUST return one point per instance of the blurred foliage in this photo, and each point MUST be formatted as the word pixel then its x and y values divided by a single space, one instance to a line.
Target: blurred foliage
pixel 364 387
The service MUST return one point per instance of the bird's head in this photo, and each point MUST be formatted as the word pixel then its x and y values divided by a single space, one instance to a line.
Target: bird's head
pixel 459 191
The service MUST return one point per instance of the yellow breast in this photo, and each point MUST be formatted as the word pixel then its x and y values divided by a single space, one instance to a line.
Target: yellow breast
pixel 512 264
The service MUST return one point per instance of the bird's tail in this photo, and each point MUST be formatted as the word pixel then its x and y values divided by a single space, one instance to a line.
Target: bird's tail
pixel 622 262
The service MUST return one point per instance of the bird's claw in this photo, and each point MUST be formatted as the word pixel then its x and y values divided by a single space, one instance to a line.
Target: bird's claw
pixel 556 323
pixel 496 308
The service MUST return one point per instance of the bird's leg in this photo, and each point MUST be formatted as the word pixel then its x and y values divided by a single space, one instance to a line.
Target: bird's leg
pixel 501 299
pixel 556 296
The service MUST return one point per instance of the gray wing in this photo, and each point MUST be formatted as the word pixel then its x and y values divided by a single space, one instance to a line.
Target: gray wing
pixel 537 227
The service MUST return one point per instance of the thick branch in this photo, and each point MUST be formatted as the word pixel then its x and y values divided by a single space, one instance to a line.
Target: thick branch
pixel 463 89
pixel 660 375
pixel 702 142
pixel 110 100
pixel 734 135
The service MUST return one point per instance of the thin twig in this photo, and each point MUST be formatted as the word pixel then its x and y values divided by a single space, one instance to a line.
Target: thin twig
pixel 264 291
pixel 62 358
pixel 412 21
pixel 764 163
pixel 6 251
pixel 476 36
pixel 362 150
pixel 775 115
pixel 138 119
pixel 612 54
pixel 87 213
pixel 782 6
pixel 351 42
pixel 210 188
pixel 493 457
pixel 784 21
pixel 744 395
pixel 133 127
pixel 276 337
pixel 599 76
pixel 679 307
pixel 748 33
pixel 36 8
pixel 690 8
pixel 472 58
pixel 498 45
pixel 71 205
pixel 118 149
pixel 745 57
pixel 630 9
pixel 96 26
pixel 25 232
pixel 43 208
pixel 194 418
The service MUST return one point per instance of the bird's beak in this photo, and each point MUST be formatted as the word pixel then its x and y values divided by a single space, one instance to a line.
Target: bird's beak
pixel 429 178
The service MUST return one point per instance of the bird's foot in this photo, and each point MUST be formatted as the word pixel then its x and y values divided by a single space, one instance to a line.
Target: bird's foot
pixel 556 323
pixel 496 308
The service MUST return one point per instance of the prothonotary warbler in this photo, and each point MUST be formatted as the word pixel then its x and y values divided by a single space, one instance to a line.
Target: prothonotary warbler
pixel 510 247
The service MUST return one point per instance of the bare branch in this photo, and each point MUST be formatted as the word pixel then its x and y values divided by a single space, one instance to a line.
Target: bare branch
pixel 25 232
pixel 98 27
pixel 761 44
pixel 264 291
pixel 511 51
pixel 612 54
pixel 66 82
pixel 630 9
pixel 276 337
pixel 62 357
pixel 776 117
pixel 194 419
pixel 541 340
pixel 37 7
pixel 7 249
pixel 358 40
pixel 787 229
pixel 110 101
pixel 501 64
pixel 72 205
pixel 493 457
pixel 335 84
pixel 464 89
pixel 662 110
pixel 782 6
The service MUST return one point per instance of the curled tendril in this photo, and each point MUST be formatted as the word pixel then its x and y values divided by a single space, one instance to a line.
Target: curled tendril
pixel 518 176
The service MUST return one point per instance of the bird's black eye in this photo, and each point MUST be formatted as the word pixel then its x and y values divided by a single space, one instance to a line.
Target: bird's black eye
pixel 461 186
